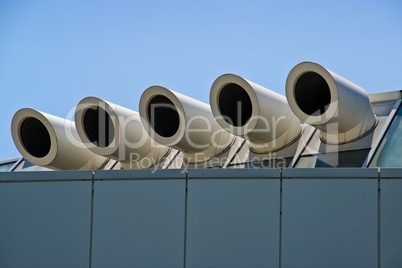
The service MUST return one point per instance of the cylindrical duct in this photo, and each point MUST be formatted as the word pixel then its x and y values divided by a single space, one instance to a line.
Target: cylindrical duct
pixel 50 141
pixel 321 98
pixel 253 112
pixel 181 122
pixel 114 131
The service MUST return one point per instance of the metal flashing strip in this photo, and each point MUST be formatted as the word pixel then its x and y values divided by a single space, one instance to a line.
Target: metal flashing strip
pixel 213 173
pixel 390 173
pixel 147 174
pixel 45 176
pixel 333 173
pixel 234 173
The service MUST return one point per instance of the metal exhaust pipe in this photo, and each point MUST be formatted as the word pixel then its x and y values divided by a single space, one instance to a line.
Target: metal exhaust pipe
pixel 50 141
pixel 116 132
pixel 253 112
pixel 340 109
pixel 183 123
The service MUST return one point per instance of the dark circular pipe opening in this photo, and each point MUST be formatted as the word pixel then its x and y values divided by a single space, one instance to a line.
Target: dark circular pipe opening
pixel 35 137
pixel 163 116
pixel 312 94
pixel 98 126
pixel 235 105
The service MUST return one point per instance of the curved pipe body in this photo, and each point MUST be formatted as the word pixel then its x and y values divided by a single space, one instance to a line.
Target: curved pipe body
pixel 327 101
pixel 183 123
pixel 50 141
pixel 253 112
pixel 114 131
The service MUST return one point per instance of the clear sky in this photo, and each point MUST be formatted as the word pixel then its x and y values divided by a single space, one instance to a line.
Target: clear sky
pixel 55 53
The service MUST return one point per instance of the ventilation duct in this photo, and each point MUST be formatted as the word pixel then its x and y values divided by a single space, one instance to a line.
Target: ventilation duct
pixel 114 131
pixel 50 141
pixel 181 122
pixel 253 112
pixel 340 109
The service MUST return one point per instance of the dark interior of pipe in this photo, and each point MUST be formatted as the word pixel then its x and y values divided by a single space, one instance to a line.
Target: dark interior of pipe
pixel 98 126
pixel 312 94
pixel 35 137
pixel 235 105
pixel 163 116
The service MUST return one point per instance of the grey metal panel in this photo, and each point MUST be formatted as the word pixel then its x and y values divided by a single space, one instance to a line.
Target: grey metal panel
pixel 383 108
pixel 233 223
pixel 138 223
pixel 37 176
pixel 391 223
pixel 385 96
pixel 148 174
pixel 234 173
pixel 45 224
pixel 391 173
pixel 341 173
pixel 329 223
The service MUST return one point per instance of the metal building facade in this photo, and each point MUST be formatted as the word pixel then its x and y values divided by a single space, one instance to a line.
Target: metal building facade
pixel 322 190
pixel 202 218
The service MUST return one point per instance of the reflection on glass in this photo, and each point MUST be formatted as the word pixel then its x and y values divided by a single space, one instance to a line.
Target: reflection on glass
pixel 236 166
pixel 6 166
pixel 354 158
pixel 27 164
pixel 389 153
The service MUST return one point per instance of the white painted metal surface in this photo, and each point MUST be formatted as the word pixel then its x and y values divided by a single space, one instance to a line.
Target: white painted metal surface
pixel 253 112
pixel 183 123
pixel 128 142
pixel 50 141
pixel 336 106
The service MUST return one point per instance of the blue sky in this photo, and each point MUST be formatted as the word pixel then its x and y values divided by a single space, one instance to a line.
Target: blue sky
pixel 55 53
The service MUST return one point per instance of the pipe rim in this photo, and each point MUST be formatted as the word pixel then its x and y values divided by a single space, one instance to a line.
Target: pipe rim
pixel 146 98
pixel 219 84
pixel 16 125
pixel 291 83
pixel 83 106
